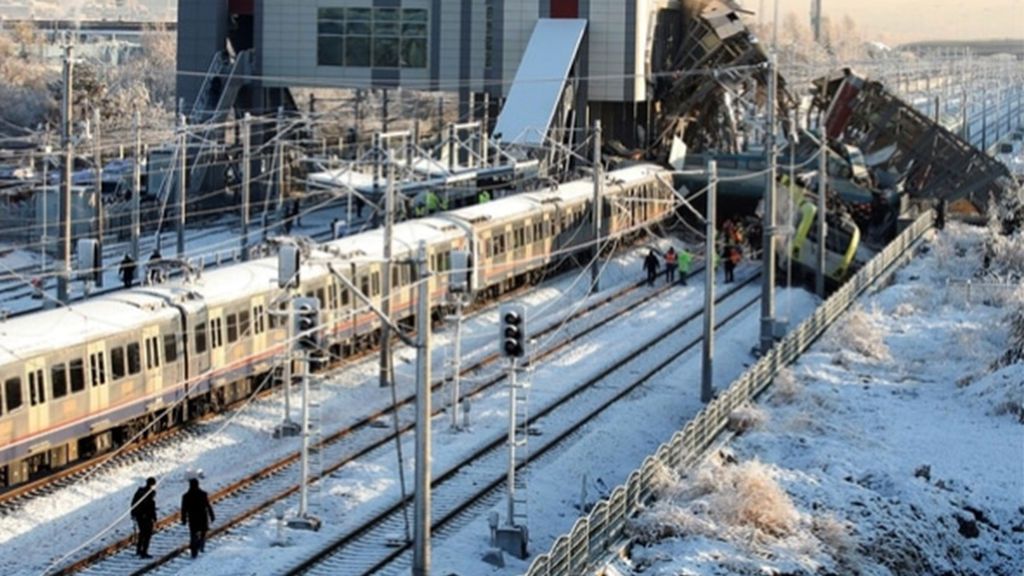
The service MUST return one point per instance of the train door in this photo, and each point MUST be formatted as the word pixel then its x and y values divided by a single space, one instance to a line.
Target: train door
pixel 173 355
pixel 197 344
pixel 216 330
pixel 258 328
pixel 96 375
pixel 39 397
pixel 151 360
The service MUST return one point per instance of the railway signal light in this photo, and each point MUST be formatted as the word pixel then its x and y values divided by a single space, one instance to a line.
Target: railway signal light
pixel 512 331
pixel 307 323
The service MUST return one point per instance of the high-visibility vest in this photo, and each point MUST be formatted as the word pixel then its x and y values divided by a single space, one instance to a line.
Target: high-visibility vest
pixel 684 262
pixel 483 196
pixel 432 202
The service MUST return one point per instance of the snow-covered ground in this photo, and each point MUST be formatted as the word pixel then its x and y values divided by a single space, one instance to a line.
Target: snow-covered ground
pixel 227 448
pixel 894 446
pixel 881 452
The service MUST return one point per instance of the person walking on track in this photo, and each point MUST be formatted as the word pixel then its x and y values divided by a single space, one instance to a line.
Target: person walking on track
pixel 198 514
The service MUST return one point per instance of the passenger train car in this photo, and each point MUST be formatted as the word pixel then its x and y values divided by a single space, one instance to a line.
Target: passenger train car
pixel 80 380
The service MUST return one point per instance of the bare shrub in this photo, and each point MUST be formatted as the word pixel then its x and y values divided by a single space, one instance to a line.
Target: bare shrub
pixel 749 495
pixel 787 388
pixel 747 417
pixel 836 535
pixel 859 332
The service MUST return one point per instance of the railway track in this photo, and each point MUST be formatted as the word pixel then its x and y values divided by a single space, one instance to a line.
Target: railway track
pixel 353 441
pixel 462 492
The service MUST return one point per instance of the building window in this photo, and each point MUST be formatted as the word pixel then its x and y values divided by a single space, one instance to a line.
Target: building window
pixel 372 37
pixel 489 35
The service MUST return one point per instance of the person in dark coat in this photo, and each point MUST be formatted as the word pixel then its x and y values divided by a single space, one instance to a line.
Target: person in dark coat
pixel 144 515
pixel 154 267
pixel 732 258
pixel 651 265
pixel 127 270
pixel 197 513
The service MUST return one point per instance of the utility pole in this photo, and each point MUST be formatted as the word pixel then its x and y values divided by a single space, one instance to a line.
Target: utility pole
pixel 182 189
pixel 100 209
pixel 246 182
pixel 819 284
pixel 707 384
pixel 421 550
pixel 136 186
pixel 595 212
pixel 385 330
pixel 279 154
pixel 768 244
pixel 457 363
pixel 815 19
pixel 64 281
pixel 46 199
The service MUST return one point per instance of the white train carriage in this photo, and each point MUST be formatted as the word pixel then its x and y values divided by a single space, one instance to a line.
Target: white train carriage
pixel 81 379
pixel 72 375
pixel 635 198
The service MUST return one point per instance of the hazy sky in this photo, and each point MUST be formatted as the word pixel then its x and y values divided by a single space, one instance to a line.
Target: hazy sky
pixel 908 20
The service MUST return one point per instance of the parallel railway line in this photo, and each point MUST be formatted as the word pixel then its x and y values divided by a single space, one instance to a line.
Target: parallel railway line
pixel 355 441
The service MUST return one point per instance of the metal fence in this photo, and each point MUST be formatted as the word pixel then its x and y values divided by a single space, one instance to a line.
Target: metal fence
pixel 592 537
pixel 981 292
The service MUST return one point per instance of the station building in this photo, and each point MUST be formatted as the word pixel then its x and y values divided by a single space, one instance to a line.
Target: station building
pixel 462 46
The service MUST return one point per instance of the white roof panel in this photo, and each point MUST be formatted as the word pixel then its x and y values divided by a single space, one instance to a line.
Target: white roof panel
pixel 539 82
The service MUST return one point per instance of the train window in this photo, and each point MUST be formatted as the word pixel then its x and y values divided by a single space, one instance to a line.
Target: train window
pixel 232 328
pixel 134 358
pixel 344 297
pixel 200 337
pixel 153 352
pixel 376 283
pixel 59 380
pixel 36 391
pixel 257 320
pixel 395 281
pixel 12 391
pixel 321 297
pixel 97 369
pixel 364 285
pixel 216 336
pixel 76 368
pixel 170 347
pixel 117 370
pixel 243 323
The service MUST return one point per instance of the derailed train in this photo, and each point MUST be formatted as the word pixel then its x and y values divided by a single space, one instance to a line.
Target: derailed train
pixel 80 380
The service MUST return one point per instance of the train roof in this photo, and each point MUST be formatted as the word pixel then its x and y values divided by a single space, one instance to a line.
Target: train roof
pixel 495 211
pixel 221 285
pixel 26 336
pixel 406 236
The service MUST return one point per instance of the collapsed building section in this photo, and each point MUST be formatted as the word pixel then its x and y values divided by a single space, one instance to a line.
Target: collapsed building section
pixel 896 139
pixel 708 71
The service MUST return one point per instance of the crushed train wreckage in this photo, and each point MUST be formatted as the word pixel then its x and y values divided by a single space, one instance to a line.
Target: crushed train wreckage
pixel 887 161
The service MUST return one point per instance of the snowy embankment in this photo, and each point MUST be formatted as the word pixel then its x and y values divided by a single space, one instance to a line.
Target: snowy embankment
pixel 894 446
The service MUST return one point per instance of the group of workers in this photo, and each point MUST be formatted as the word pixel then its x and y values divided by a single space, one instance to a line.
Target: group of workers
pixel 731 252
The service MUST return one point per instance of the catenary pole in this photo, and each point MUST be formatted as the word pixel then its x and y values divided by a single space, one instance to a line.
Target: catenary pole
pixel 385 330
pixel 182 188
pixel 819 284
pixel 246 181
pixel 421 548
pixel 101 215
pixel 768 244
pixel 136 185
pixel 707 389
pixel 64 280
pixel 595 212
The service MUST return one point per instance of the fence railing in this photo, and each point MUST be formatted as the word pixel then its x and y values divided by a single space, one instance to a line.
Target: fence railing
pixel 591 539
pixel 981 292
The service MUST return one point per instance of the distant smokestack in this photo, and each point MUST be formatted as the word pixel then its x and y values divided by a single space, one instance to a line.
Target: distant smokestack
pixel 816 20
